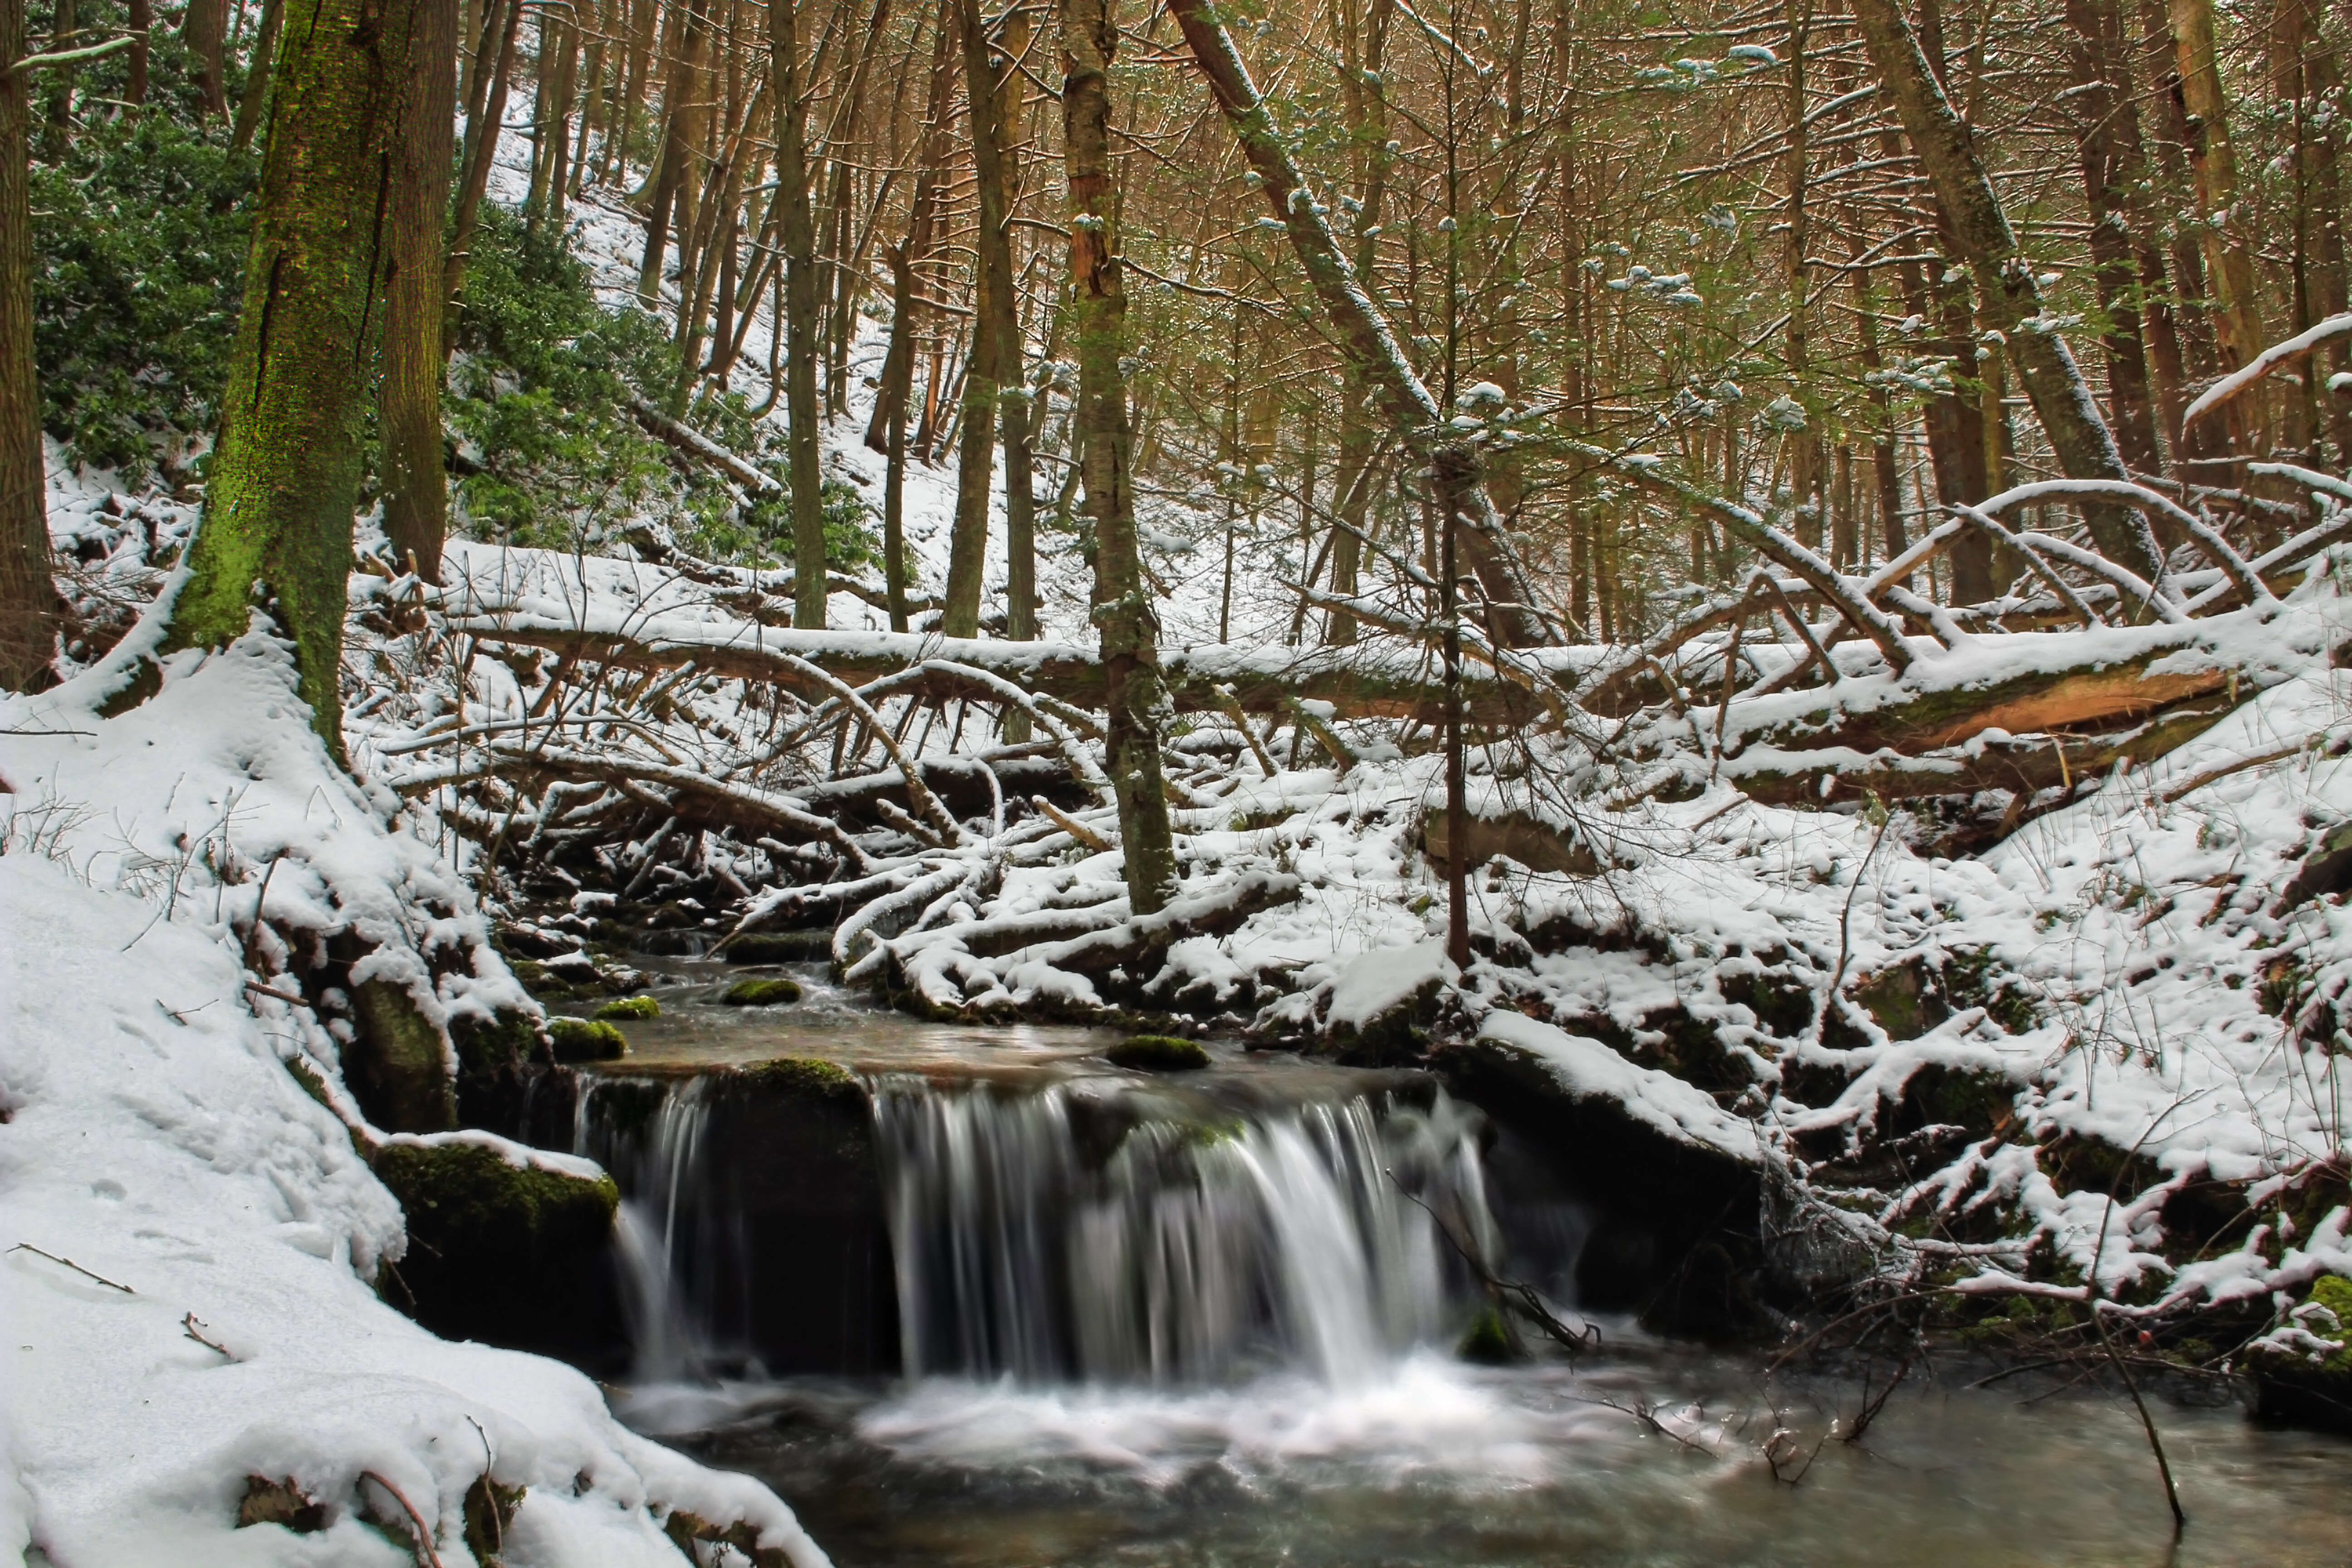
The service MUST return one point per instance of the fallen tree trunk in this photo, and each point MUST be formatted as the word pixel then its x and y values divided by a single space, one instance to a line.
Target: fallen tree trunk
pixel 1359 681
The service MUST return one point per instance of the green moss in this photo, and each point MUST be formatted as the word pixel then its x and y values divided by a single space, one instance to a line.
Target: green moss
pixel 502 1253
pixel 1158 1053
pixel 484 1044
pixel 2333 1292
pixel 1490 1341
pixel 583 1040
pixel 761 992
pixel 630 1007
pixel 809 1076
pixel 472 1189
pixel 1970 979
pixel 489 1510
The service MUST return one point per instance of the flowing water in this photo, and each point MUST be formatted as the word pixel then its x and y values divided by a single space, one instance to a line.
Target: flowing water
pixel 1210 1319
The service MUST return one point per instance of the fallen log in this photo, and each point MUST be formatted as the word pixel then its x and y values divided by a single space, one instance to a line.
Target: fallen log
pixel 1359 681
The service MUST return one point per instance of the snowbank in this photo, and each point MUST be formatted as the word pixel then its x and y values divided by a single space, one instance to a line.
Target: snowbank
pixel 187 1237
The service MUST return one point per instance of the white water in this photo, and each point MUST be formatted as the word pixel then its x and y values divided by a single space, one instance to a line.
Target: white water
pixel 1291 1239
pixel 1079 1236
pixel 657 1225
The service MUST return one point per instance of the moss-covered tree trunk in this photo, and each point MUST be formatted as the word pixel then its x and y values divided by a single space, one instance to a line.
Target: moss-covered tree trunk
pixel 1133 695
pixel 28 597
pixel 416 481
pixel 276 527
pixel 803 319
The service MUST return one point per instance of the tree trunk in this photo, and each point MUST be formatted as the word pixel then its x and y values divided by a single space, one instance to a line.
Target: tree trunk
pixel 998 180
pixel 1122 611
pixel 415 484
pixel 481 146
pixel 897 379
pixel 2095 45
pixel 276 527
pixel 142 17
pixel 976 437
pixel 201 26
pixel 802 321
pixel 2214 163
pixel 2008 296
pixel 258 79
pixel 29 594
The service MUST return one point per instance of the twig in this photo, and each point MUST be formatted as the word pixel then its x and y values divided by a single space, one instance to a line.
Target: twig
pixel 69 1263
pixel 191 1323
pixel 424 1543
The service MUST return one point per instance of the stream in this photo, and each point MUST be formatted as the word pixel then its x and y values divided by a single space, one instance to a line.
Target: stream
pixel 1006 1305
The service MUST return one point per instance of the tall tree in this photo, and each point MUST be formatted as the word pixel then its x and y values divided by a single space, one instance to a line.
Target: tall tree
pixel 276 533
pixel 28 595
pixel 1133 695
pixel 803 321
pixel 415 483
pixel 985 371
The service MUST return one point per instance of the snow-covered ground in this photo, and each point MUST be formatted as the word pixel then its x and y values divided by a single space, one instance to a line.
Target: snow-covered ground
pixel 188 1239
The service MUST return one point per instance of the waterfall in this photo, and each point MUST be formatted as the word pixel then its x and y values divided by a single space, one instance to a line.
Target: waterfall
pixel 1306 1236
pixel 661 1230
pixel 1087 1231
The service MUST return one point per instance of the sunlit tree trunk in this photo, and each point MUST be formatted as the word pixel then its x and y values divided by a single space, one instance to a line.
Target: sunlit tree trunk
pixel 1134 698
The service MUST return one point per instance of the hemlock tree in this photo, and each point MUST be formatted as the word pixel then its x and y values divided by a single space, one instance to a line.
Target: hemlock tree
pixel 416 481
pixel 1133 696
pixel 276 533
pixel 27 594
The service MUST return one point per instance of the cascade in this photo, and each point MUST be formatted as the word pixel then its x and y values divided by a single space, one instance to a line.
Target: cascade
pixel 1086 1230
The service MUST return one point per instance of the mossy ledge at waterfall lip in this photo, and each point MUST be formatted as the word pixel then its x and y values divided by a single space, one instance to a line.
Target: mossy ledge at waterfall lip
pixel 1158 1053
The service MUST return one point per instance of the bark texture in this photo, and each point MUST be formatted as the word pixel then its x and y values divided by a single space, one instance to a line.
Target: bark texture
pixel 1134 699
pixel 29 596
pixel 802 321
pixel 416 481
pixel 276 532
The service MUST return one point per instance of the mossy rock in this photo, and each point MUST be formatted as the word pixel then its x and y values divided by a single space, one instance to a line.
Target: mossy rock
pixel 586 1040
pixel 2299 1391
pixel 761 992
pixel 809 1077
pixel 1158 1053
pixel 780 947
pixel 1490 1341
pixel 508 1037
pixel 629 1007
pixel 510 1255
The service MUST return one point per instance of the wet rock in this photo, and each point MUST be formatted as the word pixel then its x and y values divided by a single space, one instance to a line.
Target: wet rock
pixel 586 1040
pixel 2313 1389
pixel 629 1007
pixel 1671 1186
pixel 761 992
pixel 1384 1005
pixel 510 1254
pixel 780 947
pixel 1158 1053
